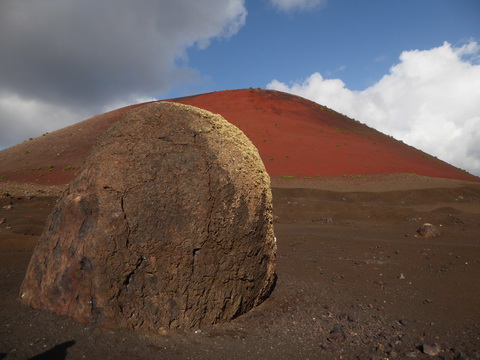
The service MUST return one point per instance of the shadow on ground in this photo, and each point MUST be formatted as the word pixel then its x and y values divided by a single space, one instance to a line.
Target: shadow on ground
pixel 58 352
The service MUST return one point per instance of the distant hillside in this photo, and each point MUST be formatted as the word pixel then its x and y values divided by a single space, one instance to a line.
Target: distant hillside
pixel 295 138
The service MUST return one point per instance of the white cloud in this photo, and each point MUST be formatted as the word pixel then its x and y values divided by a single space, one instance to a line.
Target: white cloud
pixel 24 118
pixel 290 5
pixel 19 118
pixel 77 57
pixel 430 99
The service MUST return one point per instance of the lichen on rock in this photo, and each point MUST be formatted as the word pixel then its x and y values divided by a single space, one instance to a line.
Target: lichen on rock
pixel 167 225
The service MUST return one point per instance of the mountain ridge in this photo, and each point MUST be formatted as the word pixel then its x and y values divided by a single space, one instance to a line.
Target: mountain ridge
pixel 295 138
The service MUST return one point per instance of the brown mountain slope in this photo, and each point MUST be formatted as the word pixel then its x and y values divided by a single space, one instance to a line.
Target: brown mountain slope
pixel 295 137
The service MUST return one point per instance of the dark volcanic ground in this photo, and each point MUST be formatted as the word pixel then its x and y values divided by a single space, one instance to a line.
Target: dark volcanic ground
pixel 354 282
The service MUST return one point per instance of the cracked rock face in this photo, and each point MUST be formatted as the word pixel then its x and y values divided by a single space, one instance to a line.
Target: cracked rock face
pixel 167 225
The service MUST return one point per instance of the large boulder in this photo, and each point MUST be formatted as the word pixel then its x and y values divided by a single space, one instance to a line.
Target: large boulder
pixel 167 225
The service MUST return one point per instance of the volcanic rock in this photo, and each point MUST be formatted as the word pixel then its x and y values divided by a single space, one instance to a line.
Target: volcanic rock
pixel 431 349
pixel 167 225
pixel 337 334
pixel 428 231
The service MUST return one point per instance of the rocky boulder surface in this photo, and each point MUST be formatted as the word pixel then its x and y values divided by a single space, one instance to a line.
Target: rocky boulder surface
pixel 428 231
pixel 167 225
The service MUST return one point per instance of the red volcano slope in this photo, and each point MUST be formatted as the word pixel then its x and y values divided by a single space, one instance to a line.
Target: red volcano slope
pixel 295 137
pixel 298 137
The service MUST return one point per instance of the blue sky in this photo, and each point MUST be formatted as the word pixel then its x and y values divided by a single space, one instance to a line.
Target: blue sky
pixel 409 68
pixel 357 41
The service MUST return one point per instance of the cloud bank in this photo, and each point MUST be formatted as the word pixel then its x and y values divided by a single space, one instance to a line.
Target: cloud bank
pixel 63 60
pixel 430 100
pixel 291 5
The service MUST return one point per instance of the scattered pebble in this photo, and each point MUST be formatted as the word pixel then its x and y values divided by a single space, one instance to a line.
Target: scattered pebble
pixel 392 354
pixel 428 231
pixel 324 220
pixel 328 346
pixel 337 335
pixel 431 349
pixel 411 354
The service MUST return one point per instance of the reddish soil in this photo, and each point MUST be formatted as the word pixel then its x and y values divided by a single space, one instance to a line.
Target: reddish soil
pixel 355 281
pixel 295 137
pixel 55 157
